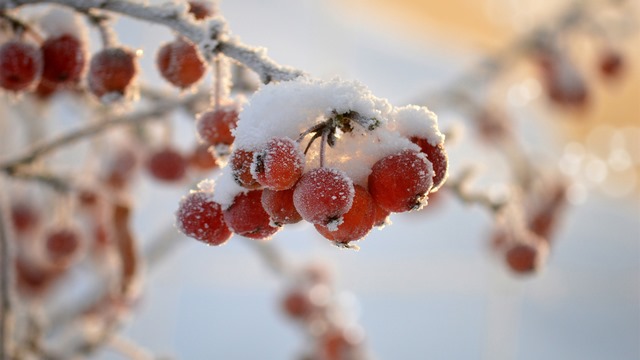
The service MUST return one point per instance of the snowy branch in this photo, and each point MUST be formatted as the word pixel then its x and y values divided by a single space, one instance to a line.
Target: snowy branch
pixel 209 35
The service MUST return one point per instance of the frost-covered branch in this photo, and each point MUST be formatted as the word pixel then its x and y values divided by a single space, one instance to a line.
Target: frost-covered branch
pixel 209 35
pixel 459 186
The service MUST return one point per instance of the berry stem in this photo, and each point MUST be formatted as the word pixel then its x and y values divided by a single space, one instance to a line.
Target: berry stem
pixel 272 257
pixel 20 27
pixel 323 146
pixel 217 81
pixel 459 186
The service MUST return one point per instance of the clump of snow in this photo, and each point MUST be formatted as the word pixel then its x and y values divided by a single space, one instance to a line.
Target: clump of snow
pixel 418 121
pixel 288 109
pixel 226 189
pixel 59 21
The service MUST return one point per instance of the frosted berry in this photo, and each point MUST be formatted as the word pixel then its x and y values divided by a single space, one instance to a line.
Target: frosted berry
pixel 111 71
pixel 214 127
pixel 381 216
pixel 357 222
pixel 246 216
pixel 201 218
pixel 279 206
pixel 180 63
pixel 64 59
pixel 241 162
pixel 201 158
pixel 279 165
pixel 437 155
pixel 200 9
pixel 20 65
pixel 167 164
pixel 323 195
pixel 62 244
pixel 400 182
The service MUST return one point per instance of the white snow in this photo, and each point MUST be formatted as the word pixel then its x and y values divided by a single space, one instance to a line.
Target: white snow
pixel 59 21
pixel 289 108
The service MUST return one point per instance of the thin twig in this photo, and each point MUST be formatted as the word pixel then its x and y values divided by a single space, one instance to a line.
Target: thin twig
pixel 460 188
pixel 138 117
pixel 272 257
pixel 5 280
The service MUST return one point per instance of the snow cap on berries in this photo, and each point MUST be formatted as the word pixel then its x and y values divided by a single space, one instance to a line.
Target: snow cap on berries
pixel 59 21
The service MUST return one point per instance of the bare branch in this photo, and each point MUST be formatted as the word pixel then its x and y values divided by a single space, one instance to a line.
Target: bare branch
pixel 10 166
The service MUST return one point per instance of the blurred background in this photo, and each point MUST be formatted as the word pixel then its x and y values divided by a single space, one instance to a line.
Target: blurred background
pixel 428 286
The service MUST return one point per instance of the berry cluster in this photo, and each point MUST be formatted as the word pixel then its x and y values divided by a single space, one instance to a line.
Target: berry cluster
pixel 312 302
pixel 524 239
pixel 30 64
pixel 48 247
pixel 371 160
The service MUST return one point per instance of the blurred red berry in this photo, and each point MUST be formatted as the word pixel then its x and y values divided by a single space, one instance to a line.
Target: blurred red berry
pixel 180 63
pixel 20 65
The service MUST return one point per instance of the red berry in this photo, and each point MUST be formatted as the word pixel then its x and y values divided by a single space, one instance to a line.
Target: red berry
pixel 111 71
pixel 279 165
pixel 400 182
pixel 24 216
pixel 200 9
pixel 525 258
pixel 64 59
pixel 279 206
pixel 437 155
pixel 338 344
pixel 62 245
pixel 45 89
pixel 201 158
pixel 88 197
pixel 323 195
pixel 241 161
pixel 167 165
pixel 201 218
pixel 180 63
pixel 357 222
pixel 297 304
pixel 214 127
pixel 247 217
pixel 33 278
pixel 611 64
pixel 563 82
pixel 381 216
pixel 20 65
